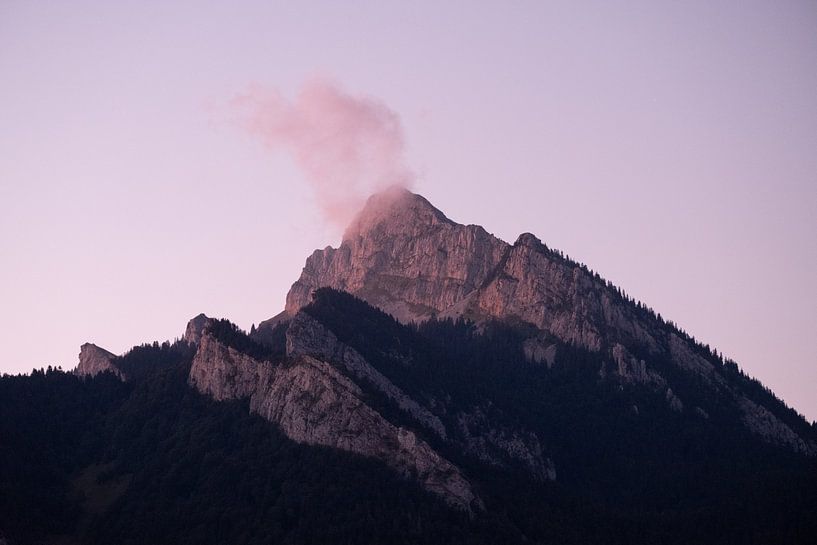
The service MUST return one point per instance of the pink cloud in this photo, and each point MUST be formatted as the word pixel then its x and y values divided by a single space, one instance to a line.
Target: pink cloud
pixel 347 146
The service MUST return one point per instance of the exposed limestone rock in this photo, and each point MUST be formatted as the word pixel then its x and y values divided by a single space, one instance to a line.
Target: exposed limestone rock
pixel 634 371
pixel 223 372
pixel 762 422
pixel 685 358
pixel 404 256
pixel 531 287
pixel 534 285
pixel 498 446
pixel 313 402
pixel 673 401
pixel 195 327
pixel 307 336
pixel 264 331
pixel 630 369
pixel 94 360
pixel 539 351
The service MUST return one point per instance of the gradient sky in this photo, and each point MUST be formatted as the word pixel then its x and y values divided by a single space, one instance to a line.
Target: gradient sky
pixel 671 146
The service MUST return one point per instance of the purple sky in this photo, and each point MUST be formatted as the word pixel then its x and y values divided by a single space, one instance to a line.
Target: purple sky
pixel 670 146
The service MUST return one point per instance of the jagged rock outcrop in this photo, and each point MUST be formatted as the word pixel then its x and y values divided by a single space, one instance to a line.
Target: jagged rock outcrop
pixel 534 285
pixel 630 369
pixel 94 360
pixel 407 258
pixel 685 358
pixel 307 336
pixel 674 401
pixel 404 256
pixel 540 350
pixel 313 402
pixel 195 328
pixel 223 372
pixel 760 420
pixel 501 446
pixel 475 433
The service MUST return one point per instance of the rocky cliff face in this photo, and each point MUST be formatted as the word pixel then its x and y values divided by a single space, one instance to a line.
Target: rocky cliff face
pixel 94 360
pixel 472 431
pixel 195 328
pixel 322 392
pixel 223 372
pixel 534 285
pixel 308 337
pixel 404 256
pixel 407 258
pixel 315 402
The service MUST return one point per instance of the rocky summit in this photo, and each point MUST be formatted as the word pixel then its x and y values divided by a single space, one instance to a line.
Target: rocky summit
pixel 94 360
pixel 404 256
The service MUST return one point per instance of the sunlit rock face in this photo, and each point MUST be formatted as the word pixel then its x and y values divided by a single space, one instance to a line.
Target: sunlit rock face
pixel 535 285
pixel 404 256
pixel 407 258
pixel 223 372
pixel 194 329
pixel 307 337
pixel 94 360
pixel 315 402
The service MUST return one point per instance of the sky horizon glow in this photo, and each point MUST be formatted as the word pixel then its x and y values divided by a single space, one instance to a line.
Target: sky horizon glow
pixel 668 146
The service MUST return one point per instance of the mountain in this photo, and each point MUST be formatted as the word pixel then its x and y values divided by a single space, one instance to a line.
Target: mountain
pixel 407 258
pixel 427 382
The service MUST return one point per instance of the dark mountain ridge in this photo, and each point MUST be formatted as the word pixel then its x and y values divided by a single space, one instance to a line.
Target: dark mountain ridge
pixel 464 389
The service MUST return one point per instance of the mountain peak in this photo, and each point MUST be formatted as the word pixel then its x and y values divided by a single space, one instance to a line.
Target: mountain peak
pixel 528 239
pixel 404 256
pixel 394 208
pixel 195 328
pixel 94 360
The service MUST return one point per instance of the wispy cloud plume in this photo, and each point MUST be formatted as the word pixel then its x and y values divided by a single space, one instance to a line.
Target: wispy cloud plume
pixel 347 146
